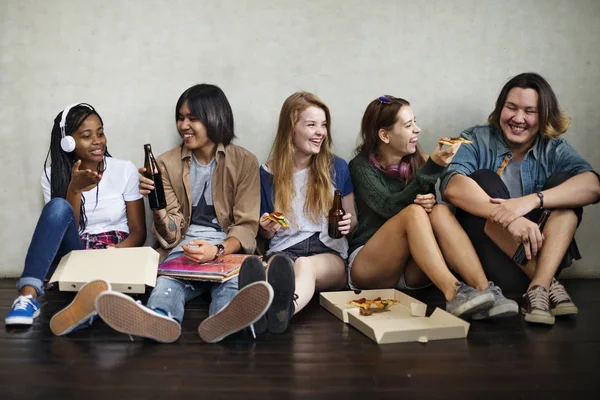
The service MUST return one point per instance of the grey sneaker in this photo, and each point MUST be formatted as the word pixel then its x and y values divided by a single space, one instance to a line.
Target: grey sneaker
pixel 536 306
pixel 560 302
pixel 502 307
pixel 468 301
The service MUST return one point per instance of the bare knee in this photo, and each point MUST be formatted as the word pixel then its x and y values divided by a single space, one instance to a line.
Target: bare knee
pixel 440 213
pixel 303 265
pixel 560 222
pixel 413 211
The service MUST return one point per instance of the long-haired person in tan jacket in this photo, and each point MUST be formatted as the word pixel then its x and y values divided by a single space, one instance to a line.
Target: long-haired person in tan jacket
pixel 212 191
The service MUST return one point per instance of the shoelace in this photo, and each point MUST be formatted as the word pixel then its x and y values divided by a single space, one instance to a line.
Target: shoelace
pixel 495 289
pixel 21 303
pixel 537 298
pixel 558 293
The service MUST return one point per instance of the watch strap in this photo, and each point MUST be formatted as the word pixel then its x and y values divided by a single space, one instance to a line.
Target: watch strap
pixel 541 196
pixel 220 251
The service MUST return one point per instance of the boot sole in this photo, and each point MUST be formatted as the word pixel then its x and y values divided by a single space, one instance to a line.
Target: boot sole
pixel 124 315
pixel 253 270
pixel 281 278
pixel 246 307
pixel 81 308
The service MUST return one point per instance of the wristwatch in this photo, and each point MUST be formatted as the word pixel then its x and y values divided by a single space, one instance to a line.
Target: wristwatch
pixel 541 196
pixel 220 251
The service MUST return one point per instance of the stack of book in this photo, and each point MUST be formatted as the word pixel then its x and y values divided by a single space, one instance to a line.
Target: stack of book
pixel 220 270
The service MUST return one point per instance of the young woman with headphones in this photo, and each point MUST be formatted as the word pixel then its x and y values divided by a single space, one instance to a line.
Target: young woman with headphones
pixel 92 202
pixel 404 239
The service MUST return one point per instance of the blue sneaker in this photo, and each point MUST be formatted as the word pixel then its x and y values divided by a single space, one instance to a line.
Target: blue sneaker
pixel 23 311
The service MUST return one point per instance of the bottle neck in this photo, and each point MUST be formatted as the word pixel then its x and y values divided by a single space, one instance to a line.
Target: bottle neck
pixel 337 200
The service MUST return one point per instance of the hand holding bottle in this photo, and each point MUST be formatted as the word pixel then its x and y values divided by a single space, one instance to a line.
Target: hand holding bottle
pixel 336 215
pixel 151 184
pixel 344 224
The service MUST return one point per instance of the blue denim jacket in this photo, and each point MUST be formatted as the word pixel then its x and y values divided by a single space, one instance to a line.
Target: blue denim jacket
pixel 489 150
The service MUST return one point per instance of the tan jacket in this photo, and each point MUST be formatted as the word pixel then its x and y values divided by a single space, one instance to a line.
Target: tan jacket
pixel 235 190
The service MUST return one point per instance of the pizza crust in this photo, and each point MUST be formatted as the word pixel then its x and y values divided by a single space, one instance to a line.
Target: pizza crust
pixel 453 141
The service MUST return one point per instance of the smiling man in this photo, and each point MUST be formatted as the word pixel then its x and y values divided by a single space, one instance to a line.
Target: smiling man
pixel 517 167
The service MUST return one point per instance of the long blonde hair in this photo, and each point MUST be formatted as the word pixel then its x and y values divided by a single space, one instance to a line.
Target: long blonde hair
pixel 281 160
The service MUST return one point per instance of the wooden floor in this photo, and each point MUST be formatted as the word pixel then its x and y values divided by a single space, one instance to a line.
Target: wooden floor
pixel 318 357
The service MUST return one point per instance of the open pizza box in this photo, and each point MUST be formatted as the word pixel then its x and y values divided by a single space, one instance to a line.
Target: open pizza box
pixel 404 321
pixel 128 270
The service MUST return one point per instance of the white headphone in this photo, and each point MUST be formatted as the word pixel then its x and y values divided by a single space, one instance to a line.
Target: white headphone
pixel 67 143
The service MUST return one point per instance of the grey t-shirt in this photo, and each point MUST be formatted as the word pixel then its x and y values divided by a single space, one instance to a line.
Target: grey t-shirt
pixel 511 176
pixel 204 224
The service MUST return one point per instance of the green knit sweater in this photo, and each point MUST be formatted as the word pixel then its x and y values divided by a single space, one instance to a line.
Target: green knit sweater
pixel 379 198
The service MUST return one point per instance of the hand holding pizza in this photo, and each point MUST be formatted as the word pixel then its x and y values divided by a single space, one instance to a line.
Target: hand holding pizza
pixel 443 156
pixel 271 223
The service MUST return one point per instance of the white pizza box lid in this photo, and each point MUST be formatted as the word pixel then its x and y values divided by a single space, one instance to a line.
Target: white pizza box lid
pixel 128 270
pixel 401 322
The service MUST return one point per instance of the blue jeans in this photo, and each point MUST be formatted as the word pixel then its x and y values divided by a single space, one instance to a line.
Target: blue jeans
pixel 170 295
pixel 55 235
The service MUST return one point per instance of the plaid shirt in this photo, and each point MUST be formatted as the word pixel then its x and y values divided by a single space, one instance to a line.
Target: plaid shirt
pixel 102 240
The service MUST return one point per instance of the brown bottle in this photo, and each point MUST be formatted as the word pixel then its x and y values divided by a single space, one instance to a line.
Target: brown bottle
pixel 156 198
pixel 335 216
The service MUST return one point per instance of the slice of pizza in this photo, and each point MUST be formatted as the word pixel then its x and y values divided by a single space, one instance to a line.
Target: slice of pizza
pixel 277 217
pixel 454 140
pixel 368 306
pixel 363 303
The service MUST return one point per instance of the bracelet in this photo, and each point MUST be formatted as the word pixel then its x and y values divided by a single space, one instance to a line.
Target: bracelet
pixel 541 196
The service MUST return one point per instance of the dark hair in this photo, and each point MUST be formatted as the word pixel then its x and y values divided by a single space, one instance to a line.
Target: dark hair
pixel 552 121
pixel 209 104
pixel 62 162
pixel 383 115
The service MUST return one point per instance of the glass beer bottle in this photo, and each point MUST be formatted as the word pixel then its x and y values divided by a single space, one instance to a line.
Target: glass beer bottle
pixel 156 198
pixel 335 216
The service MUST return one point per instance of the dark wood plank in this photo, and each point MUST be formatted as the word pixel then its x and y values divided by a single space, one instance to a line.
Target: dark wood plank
pixel 319 357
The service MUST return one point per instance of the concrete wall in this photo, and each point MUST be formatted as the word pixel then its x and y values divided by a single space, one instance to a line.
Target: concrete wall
pixel 132 59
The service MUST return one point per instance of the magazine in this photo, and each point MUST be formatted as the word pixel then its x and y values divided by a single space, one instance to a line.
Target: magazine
pixel 220 270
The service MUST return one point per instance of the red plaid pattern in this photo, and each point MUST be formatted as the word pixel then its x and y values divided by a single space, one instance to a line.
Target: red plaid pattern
pixel 102 240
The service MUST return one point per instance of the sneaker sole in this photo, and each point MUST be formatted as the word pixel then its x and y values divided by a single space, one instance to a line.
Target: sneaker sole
pixel 564 310
pixel 538 318
pixel 246 307
pixel 253 270
pixel 501 311
pixel 480 303
pixel 24 321
pixel 81 308
pixel 281 278
pixel 124 315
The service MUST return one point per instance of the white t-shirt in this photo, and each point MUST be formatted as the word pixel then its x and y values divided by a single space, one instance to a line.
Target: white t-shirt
pixel 301 227
pixel 119 184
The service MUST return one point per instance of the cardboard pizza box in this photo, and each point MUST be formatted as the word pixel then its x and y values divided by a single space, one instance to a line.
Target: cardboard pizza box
pixel 128 270
pixel 404 321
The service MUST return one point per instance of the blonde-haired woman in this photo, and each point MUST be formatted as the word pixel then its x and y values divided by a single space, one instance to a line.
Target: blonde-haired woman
pixel 299 181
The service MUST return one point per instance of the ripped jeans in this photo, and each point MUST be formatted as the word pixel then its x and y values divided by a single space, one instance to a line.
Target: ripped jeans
pixel 170 295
